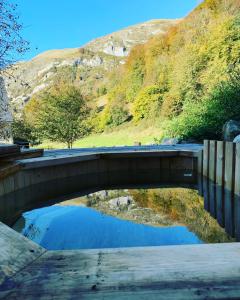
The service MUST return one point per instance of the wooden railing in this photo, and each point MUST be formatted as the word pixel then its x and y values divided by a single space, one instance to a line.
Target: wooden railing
pixel 219 183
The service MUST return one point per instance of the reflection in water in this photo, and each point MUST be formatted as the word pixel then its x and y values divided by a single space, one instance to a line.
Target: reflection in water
pixel 186 207
pixel 76 227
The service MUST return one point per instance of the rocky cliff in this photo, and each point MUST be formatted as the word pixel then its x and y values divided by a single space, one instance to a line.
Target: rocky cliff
pixel 86 66
pixel 121 42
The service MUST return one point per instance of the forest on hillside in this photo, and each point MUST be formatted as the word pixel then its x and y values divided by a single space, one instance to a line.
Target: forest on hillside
pixel 187 80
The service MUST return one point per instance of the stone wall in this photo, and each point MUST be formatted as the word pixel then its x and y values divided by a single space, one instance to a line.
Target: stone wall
pixel 5 115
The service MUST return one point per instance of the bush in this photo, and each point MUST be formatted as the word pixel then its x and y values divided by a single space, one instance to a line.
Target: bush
pixel 205 119
pixel 101 91
pixel 22 130
pixel 148 102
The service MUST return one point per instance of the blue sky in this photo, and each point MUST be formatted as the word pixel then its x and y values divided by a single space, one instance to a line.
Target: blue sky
pixel 58 24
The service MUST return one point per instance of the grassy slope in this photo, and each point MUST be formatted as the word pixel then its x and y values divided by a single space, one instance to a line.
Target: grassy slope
pixel 126 136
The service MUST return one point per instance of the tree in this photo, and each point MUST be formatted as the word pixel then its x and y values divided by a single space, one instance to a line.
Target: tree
pixel 147 102
pixel 11 46
pixel 118 116
pixel 22 130
pixel 62 115
pixel 11 43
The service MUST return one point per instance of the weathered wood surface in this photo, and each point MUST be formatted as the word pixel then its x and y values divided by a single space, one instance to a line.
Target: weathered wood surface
pixel 25 154
pixel 206 175
pixel 221 187
pixel 212 177
pixel 229 179
pixel 237 193
pixel 9 148
pixel 220 170
pixel 200 172
pixel 56 157
pixel 7 169
pixel 178 147
pixel 71 171
pixel 47 161
pixel 172 272
pixel 15 252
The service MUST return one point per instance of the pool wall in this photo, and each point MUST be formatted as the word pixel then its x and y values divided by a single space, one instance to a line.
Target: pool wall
pixel 40 180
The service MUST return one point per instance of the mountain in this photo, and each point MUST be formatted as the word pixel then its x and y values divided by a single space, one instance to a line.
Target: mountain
pixel 86 66
pixel 120 43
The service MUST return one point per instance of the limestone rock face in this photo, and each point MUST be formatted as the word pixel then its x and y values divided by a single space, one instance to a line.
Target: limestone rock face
pixel 120 202
pixel 5 115
pixel 89 64
pixel 119 43
pixel 230 130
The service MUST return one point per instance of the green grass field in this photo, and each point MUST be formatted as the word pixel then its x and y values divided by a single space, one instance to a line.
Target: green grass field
pixel 121 137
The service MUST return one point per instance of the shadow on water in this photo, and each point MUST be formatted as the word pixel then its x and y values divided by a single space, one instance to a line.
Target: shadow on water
pixel 75 226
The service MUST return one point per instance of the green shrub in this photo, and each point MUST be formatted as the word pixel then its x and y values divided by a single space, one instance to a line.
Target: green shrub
pixel 148 102
pixel 22 130
pixel 205 119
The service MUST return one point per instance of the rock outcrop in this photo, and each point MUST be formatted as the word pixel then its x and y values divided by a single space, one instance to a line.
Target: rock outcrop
pixel 237 139
pixel 230 130
pixel 120 202
pixel 120 43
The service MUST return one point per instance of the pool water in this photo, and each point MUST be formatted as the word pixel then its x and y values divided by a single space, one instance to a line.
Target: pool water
pixel 77 227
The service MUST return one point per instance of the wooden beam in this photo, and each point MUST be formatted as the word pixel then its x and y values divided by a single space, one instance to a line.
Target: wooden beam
pixel 237 193
pixel 212 177
pixel 220 170
pixel 170 272
pixel 229 178
pixel 206 175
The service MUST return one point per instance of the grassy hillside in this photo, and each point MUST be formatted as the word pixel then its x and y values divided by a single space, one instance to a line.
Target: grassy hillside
pixel 184 83
pixel 122 136
pixel 188 78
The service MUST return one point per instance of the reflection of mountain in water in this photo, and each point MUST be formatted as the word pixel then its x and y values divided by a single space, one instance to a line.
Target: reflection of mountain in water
pixel 71 227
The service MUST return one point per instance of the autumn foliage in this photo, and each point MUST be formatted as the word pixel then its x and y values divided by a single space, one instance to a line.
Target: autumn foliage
pixel 188 76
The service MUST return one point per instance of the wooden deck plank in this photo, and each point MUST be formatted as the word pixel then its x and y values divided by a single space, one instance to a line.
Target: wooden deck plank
pixel 7 169
pixel 172 272
pixel 9 148
pixel 56 157
pixel 15 252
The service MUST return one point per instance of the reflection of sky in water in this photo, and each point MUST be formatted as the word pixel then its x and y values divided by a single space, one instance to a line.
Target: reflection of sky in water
pixel 73 227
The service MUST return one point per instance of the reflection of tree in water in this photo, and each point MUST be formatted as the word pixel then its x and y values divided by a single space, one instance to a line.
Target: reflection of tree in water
pixel 185 207
pixel 32 231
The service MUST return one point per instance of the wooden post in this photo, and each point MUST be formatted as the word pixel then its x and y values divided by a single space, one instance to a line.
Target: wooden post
pixel 220 170
pixel 206 174
pixel 200 172
pixel 237 194
pixel 212 177
pixel 229 179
